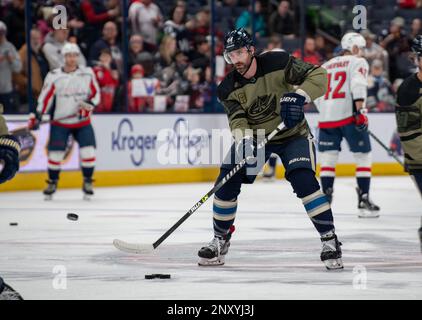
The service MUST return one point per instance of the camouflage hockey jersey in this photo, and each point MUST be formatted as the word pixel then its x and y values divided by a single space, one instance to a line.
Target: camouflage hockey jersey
pixel 254 103
pixel 409 122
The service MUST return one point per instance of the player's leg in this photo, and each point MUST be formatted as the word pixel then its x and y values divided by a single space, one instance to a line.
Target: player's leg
pixel 360 146
pixel 417 179
pixel 86 139
pixel 224 214
pixel 298 157
pixel 56 152
pixel 224 211
pixel 328 146
pixel 269 169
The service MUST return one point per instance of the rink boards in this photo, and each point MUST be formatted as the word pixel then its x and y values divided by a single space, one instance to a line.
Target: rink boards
pixel 165 148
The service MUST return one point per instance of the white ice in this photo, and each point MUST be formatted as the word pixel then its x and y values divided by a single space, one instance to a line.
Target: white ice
pixel 274 252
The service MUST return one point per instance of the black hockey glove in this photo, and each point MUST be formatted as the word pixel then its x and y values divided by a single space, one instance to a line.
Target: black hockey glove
pixel 9 157
pixel 246 148
pixel 292 109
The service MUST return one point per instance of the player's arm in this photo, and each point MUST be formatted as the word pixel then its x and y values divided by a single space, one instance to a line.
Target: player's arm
pixel 45 101
pixel 239 125
pixel 87 106
pixel 310 82
pixel 359 83
pixel 359 90
pixel 9 151
pixel 237 118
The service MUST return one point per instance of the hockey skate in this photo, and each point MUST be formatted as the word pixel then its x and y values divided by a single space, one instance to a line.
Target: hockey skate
pixel 366 207
pixel 87 188
pixel 50 190
pixel 331 252
pixel 214 253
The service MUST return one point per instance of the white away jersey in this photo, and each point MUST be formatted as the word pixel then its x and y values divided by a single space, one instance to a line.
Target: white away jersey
pixel 347 81
pixel 66 90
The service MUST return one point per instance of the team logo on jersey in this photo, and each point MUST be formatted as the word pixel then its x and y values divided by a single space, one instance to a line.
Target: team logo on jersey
pixel 262 109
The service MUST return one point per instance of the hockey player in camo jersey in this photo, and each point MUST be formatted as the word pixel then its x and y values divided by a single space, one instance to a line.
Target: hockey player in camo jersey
pixel 9 151
pixel 261 92
pixel 343 115
pixel 70 90
pixel 409 119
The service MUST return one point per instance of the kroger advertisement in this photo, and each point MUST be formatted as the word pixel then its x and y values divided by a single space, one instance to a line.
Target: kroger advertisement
pixel 151 141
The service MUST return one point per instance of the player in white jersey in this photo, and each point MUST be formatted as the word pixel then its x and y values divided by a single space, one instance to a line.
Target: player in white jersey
pixel 69 92
pixel 343 115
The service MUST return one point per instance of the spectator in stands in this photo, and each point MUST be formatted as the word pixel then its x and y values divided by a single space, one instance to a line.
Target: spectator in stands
pixel 146 19
pixel 282 21
pixel 148 62
pixel 311 55
pixel 39 67
pixel 380 91
pixel 15 21
pixel 95 14
pixel 321 48
pixel 168 48
pixel 108 80
pixel 374 51
pixel 109 40
pixel 274 43
pixel 136 104
pixel 54 42
pixel 173 81
pixel 198 88
pixel 201 24
pixel 9 63
pixel 176 28
pixel 202 54
pixel 397 45
pixel 136 47
pixel 415 28
pixel 245 20
pixel 142 99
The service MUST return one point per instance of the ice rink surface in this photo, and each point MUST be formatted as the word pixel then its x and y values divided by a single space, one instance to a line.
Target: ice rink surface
pixel 274 252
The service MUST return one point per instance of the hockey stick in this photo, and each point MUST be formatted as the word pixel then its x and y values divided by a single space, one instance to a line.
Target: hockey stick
pixel 26 128
pixel 145 248
pixel 389 151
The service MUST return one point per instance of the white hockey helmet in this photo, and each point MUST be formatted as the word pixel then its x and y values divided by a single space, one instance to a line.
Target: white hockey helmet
pixel 352 39
pixel 70 48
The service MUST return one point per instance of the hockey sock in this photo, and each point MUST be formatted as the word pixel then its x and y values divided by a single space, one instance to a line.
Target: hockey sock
pixel 363 184
pixel 306 187
pixel 327 182
pixel 87 172
pixel 417 178
pixel 224 215
pixel 53 174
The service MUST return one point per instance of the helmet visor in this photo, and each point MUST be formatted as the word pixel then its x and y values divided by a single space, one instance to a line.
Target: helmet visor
pixel 233 56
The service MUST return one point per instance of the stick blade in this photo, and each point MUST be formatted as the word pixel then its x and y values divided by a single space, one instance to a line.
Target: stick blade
pixel 136 248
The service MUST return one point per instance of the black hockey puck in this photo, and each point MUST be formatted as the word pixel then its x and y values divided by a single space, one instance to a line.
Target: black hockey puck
pixel 13 224
pixel 72 216
pixel 157 276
